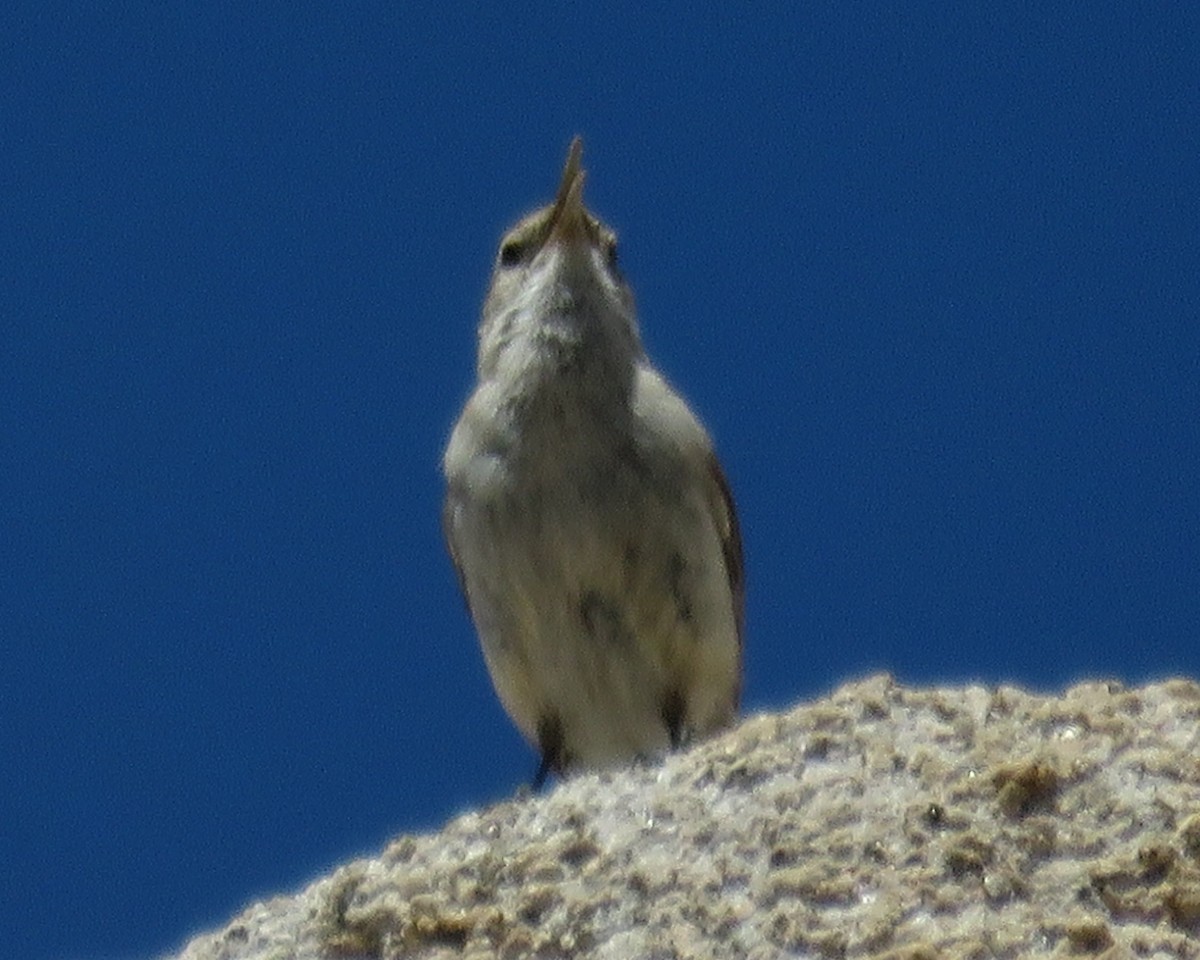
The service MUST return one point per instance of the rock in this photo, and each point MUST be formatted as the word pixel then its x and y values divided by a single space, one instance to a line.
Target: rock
pixel 882 822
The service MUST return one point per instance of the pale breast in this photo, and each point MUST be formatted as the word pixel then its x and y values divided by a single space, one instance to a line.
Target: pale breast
pixel 598 586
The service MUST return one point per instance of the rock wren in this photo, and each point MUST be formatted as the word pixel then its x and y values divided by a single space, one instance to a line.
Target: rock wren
pixel 591 525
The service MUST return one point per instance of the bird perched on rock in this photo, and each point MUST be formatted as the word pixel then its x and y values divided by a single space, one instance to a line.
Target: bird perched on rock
pixel 592 528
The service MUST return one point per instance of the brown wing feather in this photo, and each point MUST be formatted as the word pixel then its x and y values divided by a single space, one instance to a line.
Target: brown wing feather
pixel 731 544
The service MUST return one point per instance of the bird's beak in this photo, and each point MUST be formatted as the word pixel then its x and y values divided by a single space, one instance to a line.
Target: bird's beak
pixel 567 216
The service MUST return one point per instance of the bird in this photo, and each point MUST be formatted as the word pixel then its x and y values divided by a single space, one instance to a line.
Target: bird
pixel 591 526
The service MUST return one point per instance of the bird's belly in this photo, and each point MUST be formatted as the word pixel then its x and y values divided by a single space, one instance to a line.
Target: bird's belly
pixel 607 598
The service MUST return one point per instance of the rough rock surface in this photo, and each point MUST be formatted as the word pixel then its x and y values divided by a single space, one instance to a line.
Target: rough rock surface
pixel 883 822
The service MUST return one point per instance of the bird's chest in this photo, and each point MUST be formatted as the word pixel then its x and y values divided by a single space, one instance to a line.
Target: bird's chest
pixel 576 486
pixel 580 477
pixel 569 437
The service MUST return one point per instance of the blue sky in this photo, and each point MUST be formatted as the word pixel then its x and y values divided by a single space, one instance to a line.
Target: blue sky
pixel 929 276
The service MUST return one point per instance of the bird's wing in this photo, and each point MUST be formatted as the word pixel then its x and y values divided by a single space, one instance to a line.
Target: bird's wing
pixel 657 403
pixel 725 518
pixel 448 531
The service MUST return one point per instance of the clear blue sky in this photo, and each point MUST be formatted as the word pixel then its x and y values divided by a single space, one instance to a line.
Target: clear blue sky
pixel 929 275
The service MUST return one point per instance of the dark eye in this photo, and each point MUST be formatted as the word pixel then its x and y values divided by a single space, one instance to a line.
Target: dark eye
pixel 511 253
pixel 610 252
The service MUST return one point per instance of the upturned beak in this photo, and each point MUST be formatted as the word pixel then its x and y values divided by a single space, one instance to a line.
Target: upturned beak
pixel 567 215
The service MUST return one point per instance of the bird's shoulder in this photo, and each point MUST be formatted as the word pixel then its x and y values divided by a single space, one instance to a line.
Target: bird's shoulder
pixel 664 417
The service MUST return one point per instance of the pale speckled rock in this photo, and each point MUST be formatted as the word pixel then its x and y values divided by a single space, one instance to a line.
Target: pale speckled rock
pixel 883 822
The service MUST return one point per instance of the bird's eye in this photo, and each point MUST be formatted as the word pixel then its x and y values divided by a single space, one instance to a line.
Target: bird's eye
pixel 511 253
pixel 610 253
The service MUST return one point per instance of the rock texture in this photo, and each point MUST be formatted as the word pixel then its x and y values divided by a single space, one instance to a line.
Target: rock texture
pixel 882 822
